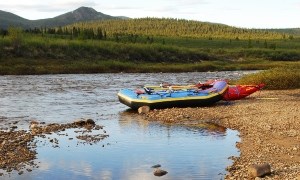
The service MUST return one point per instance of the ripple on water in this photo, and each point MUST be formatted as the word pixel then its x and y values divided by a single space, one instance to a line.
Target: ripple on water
pixel 134 145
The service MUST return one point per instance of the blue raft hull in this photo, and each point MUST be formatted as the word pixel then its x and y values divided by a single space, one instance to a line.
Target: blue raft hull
pixel 178 98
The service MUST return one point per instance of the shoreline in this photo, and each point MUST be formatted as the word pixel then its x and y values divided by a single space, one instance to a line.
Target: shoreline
pixel 268 123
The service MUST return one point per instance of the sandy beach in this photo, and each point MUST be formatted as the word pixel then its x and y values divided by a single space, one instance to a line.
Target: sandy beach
pixel 268 123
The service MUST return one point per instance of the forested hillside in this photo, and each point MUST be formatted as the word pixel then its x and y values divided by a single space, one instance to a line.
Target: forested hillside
pixel 143 45
pixel 174 28
pixel 291 31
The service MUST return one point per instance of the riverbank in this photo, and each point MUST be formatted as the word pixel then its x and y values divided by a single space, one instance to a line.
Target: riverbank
pixel 18 147
pixel 268 122
pixel 38 66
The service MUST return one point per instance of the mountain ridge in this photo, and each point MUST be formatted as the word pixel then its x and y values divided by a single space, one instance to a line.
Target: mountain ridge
pixel 85 14
pixel 81 14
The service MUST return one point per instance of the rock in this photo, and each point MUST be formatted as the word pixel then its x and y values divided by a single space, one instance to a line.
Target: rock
pixel 156 166
pixel 3 144
pixel 144 109
pixel 79 122
pixel 97 127
pixel 33 126
pixel 34 122
pixel 90 121
pixel 159 172
pixel 14 127
pixel 259 170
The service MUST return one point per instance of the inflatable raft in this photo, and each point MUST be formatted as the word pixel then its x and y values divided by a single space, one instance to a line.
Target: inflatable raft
pixel 237 92
pixel 234 92
pixel 167 98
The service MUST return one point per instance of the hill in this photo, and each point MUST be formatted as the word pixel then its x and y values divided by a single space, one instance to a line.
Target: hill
pixel 170 27
pixel 148 26
pixel 291 31
pixel 9 19
pixel 81 14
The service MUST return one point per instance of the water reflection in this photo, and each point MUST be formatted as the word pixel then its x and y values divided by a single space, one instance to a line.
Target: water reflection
pixel 133 145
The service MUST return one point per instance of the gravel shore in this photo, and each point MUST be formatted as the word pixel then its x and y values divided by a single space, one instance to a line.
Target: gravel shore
pixel 18 147
pixel 269 126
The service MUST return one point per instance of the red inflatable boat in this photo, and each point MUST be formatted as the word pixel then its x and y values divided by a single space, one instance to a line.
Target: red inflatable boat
pixel 237 92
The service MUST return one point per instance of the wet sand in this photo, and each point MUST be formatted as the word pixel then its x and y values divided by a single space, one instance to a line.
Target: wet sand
pixel 269 126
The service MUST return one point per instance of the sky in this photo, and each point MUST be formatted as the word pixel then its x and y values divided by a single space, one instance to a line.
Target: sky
pixel 238 13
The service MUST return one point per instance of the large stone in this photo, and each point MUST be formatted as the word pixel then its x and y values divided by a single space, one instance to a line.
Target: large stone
pixel 79 122
pixel 144 109
pixel 90 121
pixel 159 172
pixel 259 170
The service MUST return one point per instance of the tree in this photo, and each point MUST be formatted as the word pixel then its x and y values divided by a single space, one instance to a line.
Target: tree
pixel 272 46
pixel 265 44
pixel 99 33
pixel 249 43
pixel 15 36
pixel 3 32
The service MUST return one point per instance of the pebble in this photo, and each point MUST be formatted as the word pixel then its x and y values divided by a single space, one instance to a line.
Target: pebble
pixel 156 166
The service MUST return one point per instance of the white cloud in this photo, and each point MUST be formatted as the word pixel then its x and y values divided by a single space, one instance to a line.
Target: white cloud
pixel 233 12
pixel 46 5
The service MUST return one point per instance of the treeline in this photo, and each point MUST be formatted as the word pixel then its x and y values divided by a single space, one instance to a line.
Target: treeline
pixel 88 43
pixel 291 31
pixel 175 28
pixel 151 27
pixel 83 34
pixel 131 30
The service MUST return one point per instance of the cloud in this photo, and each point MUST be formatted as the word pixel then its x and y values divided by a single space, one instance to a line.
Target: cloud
pixel 67 4
pixel 118 7
pixel 192 2
pixel 46 5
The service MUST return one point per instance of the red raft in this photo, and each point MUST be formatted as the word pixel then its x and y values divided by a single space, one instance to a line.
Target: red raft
pixel 234 92
pixel 241 91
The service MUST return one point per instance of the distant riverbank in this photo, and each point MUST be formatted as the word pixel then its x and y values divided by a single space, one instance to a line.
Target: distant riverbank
pixel 25 66
pixel 25 53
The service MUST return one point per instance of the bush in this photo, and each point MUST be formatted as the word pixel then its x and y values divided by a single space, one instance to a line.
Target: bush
pixel 277 78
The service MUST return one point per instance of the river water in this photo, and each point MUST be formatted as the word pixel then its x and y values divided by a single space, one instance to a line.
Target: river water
pixel 133 145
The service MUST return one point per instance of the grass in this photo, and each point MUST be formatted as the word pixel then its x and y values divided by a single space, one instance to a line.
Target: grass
pixel 275 79
pixel 39 54
pixel 22 66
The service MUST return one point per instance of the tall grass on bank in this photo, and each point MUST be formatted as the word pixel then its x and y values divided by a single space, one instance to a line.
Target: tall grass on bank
pixel 180 50
pixel 20 66
pixel 275 79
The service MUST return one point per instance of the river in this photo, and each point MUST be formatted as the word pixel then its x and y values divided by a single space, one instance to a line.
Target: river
pixel 133 145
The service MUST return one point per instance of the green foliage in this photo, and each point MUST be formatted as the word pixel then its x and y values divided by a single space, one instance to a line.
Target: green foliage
pixel 277 78
pixel 15 36
pixel 144 45
pixel 60 66
pixel 174 28
pixel 291 31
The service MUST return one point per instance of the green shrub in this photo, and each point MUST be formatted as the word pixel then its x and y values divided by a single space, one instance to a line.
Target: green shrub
pixel 277 78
